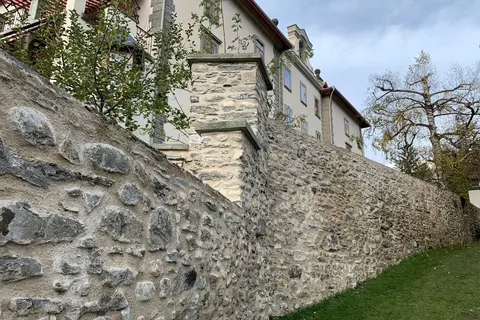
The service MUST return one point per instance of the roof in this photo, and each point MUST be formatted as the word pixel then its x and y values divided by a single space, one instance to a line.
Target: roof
pixel 300 32
pixel 257 13
pixel 346 104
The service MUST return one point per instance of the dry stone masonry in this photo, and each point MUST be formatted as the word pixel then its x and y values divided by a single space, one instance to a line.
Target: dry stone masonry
pixel 94 224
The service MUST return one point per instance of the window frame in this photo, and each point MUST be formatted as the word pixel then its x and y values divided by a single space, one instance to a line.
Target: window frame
pixel 301 100
pixel 318 135
pixel 289 86
pixel 262 46
pixel 3 23
pixel 346 126
pixel 213 42
pixel 304 128
pixel 210 10
pixel 317 108
pixel 288 115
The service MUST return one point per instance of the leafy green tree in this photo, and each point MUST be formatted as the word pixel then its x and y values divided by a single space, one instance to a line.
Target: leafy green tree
pixel 102 64
pixel 408 160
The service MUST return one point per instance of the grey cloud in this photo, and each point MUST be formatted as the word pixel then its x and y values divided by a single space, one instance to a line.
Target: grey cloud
pixel 353 16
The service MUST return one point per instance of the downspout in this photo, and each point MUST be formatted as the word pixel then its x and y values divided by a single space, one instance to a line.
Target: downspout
pixel 163 14
pixel 331 114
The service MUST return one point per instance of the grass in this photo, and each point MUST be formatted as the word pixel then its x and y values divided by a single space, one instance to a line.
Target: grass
pixel 436 285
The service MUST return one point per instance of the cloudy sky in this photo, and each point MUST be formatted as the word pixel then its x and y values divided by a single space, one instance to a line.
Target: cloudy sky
pixel 355 38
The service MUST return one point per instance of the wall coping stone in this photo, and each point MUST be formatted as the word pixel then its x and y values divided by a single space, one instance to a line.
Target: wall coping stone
pixel 225 126
pixel 234 58
pixel 171 146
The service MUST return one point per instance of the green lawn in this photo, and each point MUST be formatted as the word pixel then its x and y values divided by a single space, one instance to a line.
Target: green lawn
pixel 436 285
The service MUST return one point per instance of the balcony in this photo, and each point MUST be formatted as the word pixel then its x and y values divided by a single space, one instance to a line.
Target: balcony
pixel 28 13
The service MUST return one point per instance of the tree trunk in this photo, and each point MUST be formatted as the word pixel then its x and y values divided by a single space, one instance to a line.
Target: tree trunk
pixel 433 136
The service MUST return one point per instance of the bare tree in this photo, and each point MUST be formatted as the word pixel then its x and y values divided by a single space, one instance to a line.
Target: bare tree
pixel 436 111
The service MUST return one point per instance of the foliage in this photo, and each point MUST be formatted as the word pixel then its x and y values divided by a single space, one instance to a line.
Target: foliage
pixel 437 112
pixel 101 64
pixel 275 71
pixel 358 140
pixel 239 43
pixel 408 160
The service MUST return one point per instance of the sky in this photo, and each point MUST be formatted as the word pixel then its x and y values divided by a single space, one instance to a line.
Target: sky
pixel 353 39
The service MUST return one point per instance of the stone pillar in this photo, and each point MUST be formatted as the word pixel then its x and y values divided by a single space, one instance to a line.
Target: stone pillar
pixel 228 112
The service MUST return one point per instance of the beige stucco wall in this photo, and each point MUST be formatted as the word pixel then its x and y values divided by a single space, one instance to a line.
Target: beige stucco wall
pixel 184 10
pixel 474 196
pixel 292 99
pixel 339 137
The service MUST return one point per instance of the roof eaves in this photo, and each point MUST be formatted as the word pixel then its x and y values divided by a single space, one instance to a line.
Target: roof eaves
pixel 347 105
pixel 258 14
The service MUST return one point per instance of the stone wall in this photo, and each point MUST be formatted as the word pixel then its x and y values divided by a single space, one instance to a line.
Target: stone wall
pixel 94 224
pixel 338 218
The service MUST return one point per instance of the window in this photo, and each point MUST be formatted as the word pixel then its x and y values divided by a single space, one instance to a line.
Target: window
pixel 318 135
pixel 347 127
pixel 348 146
pixel 212 8
pixel 317 108
pixel 209 44
pixel 288 115
pixel 259 48
pixel 159 129
pixel 304 127
pixel 287 79
pixel 303 93
pixel 3 23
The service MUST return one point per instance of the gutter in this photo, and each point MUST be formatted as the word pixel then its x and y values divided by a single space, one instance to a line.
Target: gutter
pixel 331 114
pixel 163 14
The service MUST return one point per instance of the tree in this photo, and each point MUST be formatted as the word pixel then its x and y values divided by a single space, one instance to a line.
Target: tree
pixel 436 112
pixel 408 160
pixel 102 64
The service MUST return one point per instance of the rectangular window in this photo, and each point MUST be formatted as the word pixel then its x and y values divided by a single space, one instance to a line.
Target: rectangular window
pixel 212 10
pixel 259 48
pixel 288 115
pixel 159 129
pixel 348 146
pixel 303 93
pixel 304 127
pixel 209 44
pixel 287 79
pixel 3 23
pixel 318 135
pixel 347 127
pixel 317 108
